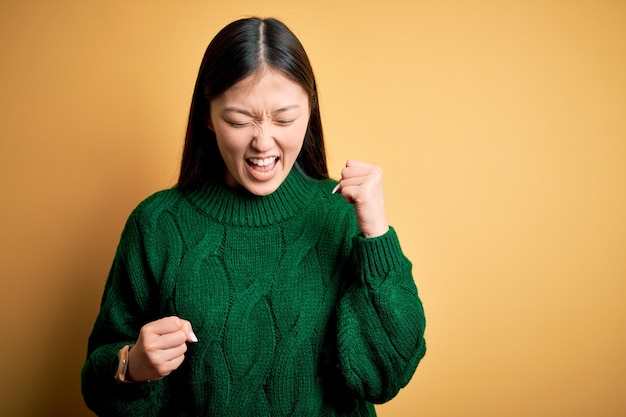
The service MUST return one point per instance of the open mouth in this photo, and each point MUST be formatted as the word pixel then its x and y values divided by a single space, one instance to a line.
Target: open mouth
pixel 262 165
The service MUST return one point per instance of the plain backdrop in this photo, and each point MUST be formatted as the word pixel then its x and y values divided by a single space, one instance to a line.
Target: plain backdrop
pixel 500 126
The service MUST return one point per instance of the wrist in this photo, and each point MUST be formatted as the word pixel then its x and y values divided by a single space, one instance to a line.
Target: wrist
pixel 375 231
pixel 121 376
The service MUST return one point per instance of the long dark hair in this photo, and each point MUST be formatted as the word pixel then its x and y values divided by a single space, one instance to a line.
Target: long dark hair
pixel 239 50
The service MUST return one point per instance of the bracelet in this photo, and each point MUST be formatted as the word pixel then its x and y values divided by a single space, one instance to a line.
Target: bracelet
pixel 122 366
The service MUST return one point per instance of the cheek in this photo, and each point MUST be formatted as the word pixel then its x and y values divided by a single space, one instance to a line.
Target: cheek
pixel 230 144
pixel 297 136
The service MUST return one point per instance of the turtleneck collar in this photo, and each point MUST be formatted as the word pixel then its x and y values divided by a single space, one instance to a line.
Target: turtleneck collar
pixel 238 207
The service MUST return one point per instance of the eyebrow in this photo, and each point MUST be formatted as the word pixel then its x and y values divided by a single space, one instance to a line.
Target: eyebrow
pixel 232 109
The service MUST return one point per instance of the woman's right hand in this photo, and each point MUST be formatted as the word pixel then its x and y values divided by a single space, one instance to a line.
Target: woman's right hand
pixel 160 349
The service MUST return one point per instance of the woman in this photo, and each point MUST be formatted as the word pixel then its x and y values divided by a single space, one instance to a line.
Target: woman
pixel 252 288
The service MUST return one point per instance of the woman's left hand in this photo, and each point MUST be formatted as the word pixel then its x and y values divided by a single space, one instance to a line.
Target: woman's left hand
pixel 361 184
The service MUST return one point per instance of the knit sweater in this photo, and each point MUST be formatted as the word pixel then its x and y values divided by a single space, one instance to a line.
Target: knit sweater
pixel 297 314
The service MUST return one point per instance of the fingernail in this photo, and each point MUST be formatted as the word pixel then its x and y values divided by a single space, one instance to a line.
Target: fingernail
pixel 193 337
pixel 336 188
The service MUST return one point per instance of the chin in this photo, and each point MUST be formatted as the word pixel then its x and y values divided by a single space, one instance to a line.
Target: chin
pixel 261 190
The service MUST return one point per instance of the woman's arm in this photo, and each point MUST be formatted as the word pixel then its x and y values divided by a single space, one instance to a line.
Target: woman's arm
pixel 380 316
pixel 381 321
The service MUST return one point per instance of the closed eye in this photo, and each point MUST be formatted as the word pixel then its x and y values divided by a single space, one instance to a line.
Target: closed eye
pixel 235 124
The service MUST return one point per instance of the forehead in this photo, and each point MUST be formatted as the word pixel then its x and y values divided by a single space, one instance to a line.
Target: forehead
pixel 264 86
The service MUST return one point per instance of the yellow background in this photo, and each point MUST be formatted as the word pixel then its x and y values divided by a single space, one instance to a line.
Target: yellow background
pixel 501 127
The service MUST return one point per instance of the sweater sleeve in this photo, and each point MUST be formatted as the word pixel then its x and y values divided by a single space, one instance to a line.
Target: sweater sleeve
pixel 125 307
pixel 381 321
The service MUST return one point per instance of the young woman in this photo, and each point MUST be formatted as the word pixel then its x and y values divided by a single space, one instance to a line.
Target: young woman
pixel 257 286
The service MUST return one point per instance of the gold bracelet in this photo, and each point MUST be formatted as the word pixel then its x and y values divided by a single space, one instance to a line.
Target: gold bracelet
pixel 122 366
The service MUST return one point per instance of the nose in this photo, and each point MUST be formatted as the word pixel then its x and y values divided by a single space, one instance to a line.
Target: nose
pixel 263 137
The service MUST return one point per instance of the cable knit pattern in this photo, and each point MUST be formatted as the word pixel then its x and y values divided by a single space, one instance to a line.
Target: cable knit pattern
pixel 296 313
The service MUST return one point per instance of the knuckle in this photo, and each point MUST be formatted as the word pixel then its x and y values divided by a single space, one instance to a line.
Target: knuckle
pixel 174 320
pixel 181 337
pixel 162 370
pixel 149 346
pixel 145 330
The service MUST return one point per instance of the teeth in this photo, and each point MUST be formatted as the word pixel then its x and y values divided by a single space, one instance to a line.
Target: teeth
pixel 262 162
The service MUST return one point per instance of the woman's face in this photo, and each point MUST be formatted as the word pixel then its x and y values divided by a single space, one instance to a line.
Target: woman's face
pixel 260 124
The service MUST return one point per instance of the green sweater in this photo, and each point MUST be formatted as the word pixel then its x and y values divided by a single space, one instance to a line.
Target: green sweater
pixel 296 313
